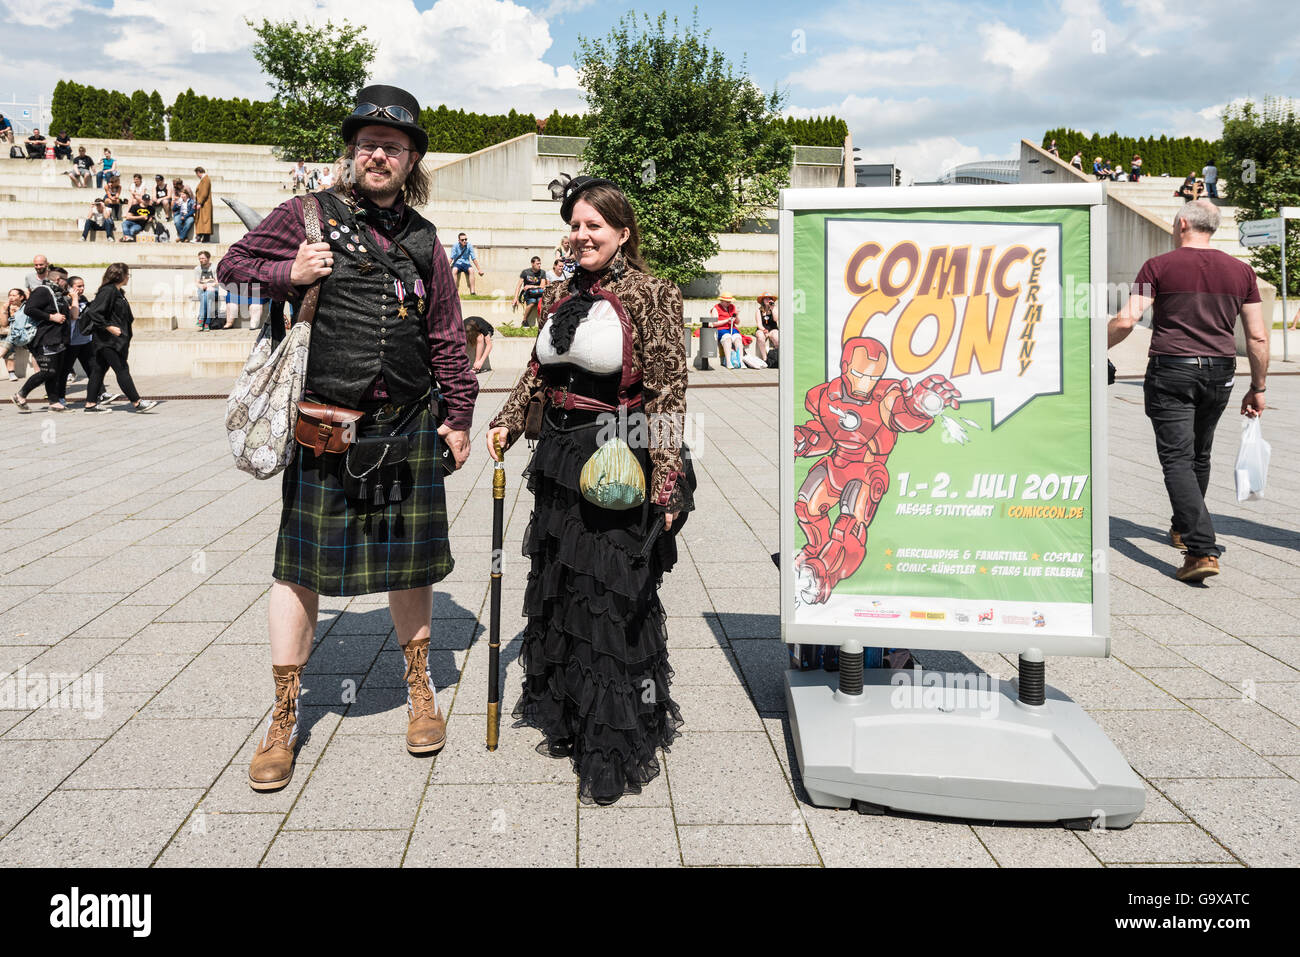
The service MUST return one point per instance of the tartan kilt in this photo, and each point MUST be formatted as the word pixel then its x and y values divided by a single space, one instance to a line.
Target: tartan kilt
pixel 334 546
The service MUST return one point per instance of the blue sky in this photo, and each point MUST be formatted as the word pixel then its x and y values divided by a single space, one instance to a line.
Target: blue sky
pixel 925 84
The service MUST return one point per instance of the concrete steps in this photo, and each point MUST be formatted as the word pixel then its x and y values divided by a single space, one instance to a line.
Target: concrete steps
pixel 42 210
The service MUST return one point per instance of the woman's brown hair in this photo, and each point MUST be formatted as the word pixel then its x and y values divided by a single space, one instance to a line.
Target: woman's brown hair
pixel 114 274
pixel 614 208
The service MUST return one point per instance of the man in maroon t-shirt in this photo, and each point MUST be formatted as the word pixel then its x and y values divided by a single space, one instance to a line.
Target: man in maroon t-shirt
pixel 1197 292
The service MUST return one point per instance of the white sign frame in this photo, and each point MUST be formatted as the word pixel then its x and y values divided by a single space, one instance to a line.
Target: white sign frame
pixel 1088 195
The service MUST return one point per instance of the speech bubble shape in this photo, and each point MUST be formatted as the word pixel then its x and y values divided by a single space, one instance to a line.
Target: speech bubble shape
pixel 978 303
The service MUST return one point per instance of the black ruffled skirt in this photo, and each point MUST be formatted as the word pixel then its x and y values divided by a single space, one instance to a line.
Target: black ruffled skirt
pixel 595 655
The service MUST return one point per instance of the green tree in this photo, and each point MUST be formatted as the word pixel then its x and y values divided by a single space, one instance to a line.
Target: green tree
pixel 694 145
pixel 1259 162
pixel 315 73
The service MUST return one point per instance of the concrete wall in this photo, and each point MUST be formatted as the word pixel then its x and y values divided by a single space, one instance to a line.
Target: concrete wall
pixel 1133 235
pixel 502 171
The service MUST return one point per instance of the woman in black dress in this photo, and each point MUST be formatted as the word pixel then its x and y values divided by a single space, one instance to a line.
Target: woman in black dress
pixel 595 656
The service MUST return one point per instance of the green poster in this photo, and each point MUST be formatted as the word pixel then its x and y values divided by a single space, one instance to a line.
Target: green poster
pixel 942 418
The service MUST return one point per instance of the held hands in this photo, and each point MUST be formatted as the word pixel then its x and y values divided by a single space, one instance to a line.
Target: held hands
pixel 458 441
pixel 503 435
pixel 314 261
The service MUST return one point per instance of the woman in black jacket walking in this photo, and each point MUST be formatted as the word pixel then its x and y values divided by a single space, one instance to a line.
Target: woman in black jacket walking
pixel 110 322
pixel 50 308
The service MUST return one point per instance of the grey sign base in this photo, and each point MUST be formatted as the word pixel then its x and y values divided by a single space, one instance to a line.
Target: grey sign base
pixel 951 751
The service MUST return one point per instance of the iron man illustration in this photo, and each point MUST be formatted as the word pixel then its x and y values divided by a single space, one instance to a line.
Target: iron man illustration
pixel 856 419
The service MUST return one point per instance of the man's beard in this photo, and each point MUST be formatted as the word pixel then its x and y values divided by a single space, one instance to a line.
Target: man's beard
pixel 396 180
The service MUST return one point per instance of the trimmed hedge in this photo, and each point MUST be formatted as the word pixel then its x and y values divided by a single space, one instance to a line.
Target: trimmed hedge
pixel 107 114
pixel 1177 157
pixel 816 131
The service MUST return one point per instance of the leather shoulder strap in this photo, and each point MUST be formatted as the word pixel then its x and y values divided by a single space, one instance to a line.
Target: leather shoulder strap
pixel 306 310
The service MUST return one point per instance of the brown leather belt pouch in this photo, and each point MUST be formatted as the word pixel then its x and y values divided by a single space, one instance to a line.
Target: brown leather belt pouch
pixel 324 428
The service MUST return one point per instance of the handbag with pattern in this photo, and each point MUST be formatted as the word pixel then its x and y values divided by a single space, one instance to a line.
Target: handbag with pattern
pixel 263 406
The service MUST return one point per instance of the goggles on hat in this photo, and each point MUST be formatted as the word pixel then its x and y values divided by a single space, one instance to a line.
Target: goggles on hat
pixel 398 113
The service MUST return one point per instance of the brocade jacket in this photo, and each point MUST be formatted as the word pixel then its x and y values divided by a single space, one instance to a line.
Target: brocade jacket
pixel 659 350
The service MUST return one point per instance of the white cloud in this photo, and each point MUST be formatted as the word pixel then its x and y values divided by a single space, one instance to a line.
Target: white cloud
pixel 39 15
pixel 1004 46
pixel 477 54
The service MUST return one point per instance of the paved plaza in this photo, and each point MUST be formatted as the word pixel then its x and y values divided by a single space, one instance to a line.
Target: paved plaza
pixel 133 552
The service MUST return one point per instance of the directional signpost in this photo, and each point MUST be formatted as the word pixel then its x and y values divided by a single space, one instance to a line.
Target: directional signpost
pixel 1271 232
pixel 1260 232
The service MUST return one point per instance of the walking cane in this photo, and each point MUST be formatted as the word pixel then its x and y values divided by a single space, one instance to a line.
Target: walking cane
pixel 494 623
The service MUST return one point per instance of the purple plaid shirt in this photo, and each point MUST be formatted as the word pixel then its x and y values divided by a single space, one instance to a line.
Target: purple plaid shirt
pixel 265 255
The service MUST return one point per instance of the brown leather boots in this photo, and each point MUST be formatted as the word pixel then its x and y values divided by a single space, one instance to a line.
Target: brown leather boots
pixel 272 765
pixel 426 730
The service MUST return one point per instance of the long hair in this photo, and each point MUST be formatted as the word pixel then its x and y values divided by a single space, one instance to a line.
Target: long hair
pixel 615 209
pixel 415 191
pixel 114 274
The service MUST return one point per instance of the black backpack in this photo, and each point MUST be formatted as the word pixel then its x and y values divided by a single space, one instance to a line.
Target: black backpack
pixel 773 357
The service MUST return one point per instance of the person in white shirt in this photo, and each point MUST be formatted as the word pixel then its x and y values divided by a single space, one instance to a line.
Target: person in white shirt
pixel 1211 176
pixel 326 178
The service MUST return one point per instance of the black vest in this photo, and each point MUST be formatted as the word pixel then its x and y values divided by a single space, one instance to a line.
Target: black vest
pixel 357 333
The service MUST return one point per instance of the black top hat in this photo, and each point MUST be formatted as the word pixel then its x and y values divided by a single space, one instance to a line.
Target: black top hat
pixel 575 188
pixel 387 106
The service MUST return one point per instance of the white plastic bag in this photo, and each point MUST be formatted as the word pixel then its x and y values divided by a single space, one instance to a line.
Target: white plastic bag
pixel 1252 460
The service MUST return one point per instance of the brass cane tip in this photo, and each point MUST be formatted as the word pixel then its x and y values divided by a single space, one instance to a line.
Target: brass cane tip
pixel 493 724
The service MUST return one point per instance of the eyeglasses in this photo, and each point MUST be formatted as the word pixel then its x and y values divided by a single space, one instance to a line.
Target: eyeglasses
pixel 391 150
pixel 399 113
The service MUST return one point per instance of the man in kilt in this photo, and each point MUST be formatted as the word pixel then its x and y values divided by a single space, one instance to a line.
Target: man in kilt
pixel 386 339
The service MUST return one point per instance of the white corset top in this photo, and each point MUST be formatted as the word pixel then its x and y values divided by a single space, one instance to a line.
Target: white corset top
pixel 597 344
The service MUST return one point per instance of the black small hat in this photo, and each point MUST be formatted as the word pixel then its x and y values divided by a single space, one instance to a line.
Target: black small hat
pixel 387 106
pixel 575 188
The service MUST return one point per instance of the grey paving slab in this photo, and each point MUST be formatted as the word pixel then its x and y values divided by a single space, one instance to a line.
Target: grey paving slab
pixel 466 760
pixel 520 825
pixel 747 845
pixel 223 681
pixel 98 828
pixel 182 753
pixel 333 849
pixel 849 839
pixel 140 672
pixel 361 782
pixel 603 837
pixel 1240 663
pixel 1158 808
pixel 120 621
pixel 72 656
pixel 183 638
pixel 728 778
pixel 47 618
pixel 1187 683
pixel 32 770
pixel 93 717
pixel 1022 846
pixel 221 840
pixel 222 603
pixel 716 708
pixel 763 664
pixel 1253 725
pixel 341 653
pixel 1176 628
pixel 1179 744
pixel 1155 844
